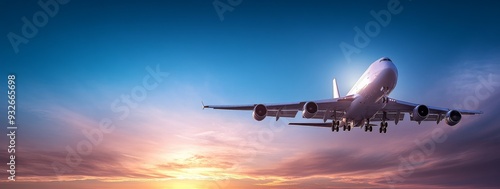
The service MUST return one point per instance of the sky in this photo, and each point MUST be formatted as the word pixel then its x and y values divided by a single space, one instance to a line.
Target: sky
pixel 108 94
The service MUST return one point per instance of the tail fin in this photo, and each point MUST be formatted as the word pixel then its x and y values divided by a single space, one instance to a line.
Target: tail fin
pixel 336 93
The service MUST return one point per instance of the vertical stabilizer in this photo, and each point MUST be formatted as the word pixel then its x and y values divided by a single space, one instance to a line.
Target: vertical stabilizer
pixel 336 93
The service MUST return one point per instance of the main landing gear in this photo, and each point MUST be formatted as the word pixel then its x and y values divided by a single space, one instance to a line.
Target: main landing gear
pixel 383 127
pixel 347 127
pixel 368 127
pixel 335 126
pixel 383 124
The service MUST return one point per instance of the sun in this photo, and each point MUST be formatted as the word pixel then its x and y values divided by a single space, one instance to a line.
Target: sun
pixel 182 185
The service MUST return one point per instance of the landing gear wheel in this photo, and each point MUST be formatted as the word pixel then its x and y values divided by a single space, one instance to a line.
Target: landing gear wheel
pixel 371 128
pixel 383 127
pixel 336 126
pixel 349 128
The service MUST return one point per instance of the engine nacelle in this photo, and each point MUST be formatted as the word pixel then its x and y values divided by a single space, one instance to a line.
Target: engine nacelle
pixel 310 109
pixel 420 113
pixel 259 112
pixel 453 117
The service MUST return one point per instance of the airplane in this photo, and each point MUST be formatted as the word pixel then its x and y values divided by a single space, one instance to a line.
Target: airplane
pixel 368 101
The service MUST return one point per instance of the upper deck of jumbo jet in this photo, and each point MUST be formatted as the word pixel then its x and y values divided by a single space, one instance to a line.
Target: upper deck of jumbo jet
pixel 383 66
pixel 385 63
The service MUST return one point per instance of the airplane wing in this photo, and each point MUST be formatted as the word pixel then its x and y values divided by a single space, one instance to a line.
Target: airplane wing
pixel 332 109
pixel 435 113
pixel 326 108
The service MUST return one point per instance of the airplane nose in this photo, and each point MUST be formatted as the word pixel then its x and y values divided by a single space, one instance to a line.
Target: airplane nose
pixel 392 66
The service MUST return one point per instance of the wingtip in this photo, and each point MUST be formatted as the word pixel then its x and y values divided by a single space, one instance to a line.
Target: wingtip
pixel 203 105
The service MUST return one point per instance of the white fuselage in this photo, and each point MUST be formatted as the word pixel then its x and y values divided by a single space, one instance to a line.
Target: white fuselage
pixel 370 90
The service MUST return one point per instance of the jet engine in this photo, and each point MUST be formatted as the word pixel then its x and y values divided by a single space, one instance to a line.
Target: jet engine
pixel 453 117
pixel 420 113
pixel 310 109
pixel 259 112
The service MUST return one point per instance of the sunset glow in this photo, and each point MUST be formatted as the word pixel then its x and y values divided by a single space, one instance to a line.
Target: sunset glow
pixel 109 94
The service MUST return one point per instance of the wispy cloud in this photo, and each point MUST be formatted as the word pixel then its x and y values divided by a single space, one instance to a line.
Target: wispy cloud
pixel 177 141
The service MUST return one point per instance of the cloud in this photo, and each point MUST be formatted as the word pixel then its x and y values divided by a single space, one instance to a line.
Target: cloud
pixel 36 165
pixel 176 141
pixel 197 161
pixel 468 156
pixel 327 162
pixel 154 142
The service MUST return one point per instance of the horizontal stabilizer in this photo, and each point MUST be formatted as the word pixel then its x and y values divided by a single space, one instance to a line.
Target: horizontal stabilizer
pixel 312 124
pixel 321 124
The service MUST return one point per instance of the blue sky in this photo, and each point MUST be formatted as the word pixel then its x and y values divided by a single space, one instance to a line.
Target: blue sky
pixel 113 40
pixel 91 53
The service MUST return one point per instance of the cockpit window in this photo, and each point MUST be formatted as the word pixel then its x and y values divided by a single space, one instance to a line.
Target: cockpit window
pixel 386 59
